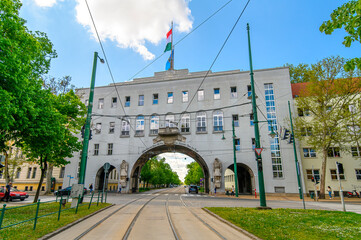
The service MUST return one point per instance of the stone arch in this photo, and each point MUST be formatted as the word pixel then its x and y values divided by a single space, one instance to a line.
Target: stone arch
pixel 162 148
pixel 246 179
pixel 99 178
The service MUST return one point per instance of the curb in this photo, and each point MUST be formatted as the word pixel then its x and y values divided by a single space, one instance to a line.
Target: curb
pixel 248 234
pixel 59 230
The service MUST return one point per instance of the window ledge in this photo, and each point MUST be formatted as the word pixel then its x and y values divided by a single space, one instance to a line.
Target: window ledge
pixel 124 136
pixel 201 132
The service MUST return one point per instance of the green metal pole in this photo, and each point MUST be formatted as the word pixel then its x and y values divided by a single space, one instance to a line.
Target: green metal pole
pixel 2 215
pixel 91 199
pixel 235 160
pixel 77 204
pixel 300 189
pixel 36 214
pixel 262 194
pixel 84 154
pixel 61 201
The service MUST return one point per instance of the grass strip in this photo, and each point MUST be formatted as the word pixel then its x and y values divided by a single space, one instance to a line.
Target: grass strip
pixel 44 225
pixel 293 223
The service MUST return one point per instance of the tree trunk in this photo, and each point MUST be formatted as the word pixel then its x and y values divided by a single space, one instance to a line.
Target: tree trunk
pixel 6 174
pixel 43 167
pixel 323 174
pixel 49 175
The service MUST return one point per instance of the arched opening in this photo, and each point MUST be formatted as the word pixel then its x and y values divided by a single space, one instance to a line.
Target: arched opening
pixel 100 177
pixel 159 149
pixel 245 178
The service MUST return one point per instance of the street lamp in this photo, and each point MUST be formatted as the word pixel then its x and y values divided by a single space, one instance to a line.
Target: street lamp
pixel 84 154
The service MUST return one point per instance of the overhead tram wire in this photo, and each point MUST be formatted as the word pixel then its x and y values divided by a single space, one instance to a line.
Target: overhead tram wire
pixel 215 59
pixel 181 39
pixel 110 71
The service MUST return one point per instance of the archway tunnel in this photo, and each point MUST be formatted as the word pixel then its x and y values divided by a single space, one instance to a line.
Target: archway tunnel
pixel 246 181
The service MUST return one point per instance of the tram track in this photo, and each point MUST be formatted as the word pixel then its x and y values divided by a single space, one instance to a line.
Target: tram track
pixel 138 219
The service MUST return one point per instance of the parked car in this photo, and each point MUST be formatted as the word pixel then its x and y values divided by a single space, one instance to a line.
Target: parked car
pixel 193 188
pixel 14 194
pixel 66 191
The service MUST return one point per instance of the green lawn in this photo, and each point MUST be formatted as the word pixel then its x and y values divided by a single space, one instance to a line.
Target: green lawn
pixel 45 224
pixel 294 223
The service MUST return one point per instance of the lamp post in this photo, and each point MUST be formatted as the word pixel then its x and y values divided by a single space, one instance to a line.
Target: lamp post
pixel 84 154
pixel 262 195
pixel 235 160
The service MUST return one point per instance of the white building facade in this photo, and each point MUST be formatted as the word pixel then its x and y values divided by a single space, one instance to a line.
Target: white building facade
pixel 128 116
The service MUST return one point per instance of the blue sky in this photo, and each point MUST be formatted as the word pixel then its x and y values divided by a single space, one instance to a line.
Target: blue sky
pixel 281 32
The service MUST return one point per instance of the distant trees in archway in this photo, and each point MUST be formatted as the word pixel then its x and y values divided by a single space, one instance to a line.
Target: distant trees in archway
pixel 157 172
pixel 194 174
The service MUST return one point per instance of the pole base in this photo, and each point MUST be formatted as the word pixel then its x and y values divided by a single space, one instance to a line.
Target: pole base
pixel 264 208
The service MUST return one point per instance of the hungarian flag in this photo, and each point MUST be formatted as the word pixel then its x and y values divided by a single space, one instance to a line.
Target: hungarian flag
pixel 169 62
pixel 169 41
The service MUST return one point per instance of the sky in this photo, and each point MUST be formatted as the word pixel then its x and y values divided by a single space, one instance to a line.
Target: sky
pixel 133 34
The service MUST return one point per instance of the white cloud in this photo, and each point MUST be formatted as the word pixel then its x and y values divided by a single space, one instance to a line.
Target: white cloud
pixel 178 162
pixel 46 3
pixel 132 23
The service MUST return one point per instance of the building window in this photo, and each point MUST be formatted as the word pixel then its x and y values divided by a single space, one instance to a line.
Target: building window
pixel 201 122
pixel 110 148
pixel 78 170
pixel 316 173
pixel 185 123
pixel 31 188
pixel 184 96
pixel 306 131
pixel 26 188
pixel 127 101
pixel 249 91
pixel 233 92
pixel 96 149
pixel 356 151
pixel 237 143
pixel 139 126
pixel 333 152
pixel 200 95
pixel 98 128
pixel 141 100
pixel 169 121
pixel 303 112
pixel 114 102
pixel 101 103
pixel 42 188
pixel 34 172
pixel 218 121
pixel 217 93
pixel 272 126
pixel 1 174
pixel 334 175
pixel 251 119
pixel 86 102
pixel 62 172
pixel 235 120
pixel 309 152
pixel 18 171
pixel 170 97
pixel 29 172
pixel 125 127
pixel 111 127
pixel 155 98
pixel 154 125
pixel 358 174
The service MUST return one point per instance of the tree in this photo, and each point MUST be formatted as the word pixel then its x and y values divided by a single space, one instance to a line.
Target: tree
pixel 348 17
pixel 50 138
pixel 24 57
pixel 194 174
pixel 327 98
pixel 300 73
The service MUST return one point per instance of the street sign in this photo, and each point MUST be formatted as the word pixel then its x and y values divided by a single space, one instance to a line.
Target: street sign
pixel 258 151
pixel 106 167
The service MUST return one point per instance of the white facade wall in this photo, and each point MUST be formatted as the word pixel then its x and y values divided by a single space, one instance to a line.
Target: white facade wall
pixel 210 145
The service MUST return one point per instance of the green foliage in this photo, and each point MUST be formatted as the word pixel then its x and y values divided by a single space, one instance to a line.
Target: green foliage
pixel 24 57
pixel 299 73
pixel 194 174
pixel 327 97
pixel 280 223
pixel 348 17
pixel 157 172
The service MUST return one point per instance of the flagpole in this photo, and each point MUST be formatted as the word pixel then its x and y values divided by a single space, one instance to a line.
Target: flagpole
pixel 172 52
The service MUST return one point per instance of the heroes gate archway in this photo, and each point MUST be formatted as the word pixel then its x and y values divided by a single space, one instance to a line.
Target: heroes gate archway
pixel 163 148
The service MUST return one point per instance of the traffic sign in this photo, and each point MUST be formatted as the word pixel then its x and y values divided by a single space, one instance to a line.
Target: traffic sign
pixel 258 151
pixel 106 167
